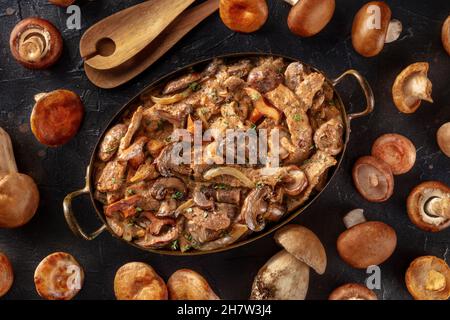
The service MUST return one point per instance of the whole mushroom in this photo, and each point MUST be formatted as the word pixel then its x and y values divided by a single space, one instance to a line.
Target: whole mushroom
pixel 428 278
pixel 352 291
pixel 365 243
pixel 373 27
pixel 244 15
pixel 445 36
pixel 443 138
pixel 187 284
pixel 19 195
pixel 412 86
pixel 6 274
pixel 428 206
pixel 308 17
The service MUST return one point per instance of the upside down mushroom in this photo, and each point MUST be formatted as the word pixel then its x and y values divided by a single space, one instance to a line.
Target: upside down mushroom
pixel 185 284
pixel 6 274
pixel 352 291
pixel 19 195
pixel 428 278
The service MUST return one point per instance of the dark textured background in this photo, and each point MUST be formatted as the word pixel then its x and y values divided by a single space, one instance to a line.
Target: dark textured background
pixel 61 170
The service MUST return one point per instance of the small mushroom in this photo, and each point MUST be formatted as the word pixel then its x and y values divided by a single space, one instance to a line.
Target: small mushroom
pixel 56 117
pixel 365 243
pixel 445 36
pixel 62 3
pixel 139 281
pixel 396 150
pixel 202 197
pixel 6 274
pixel 58 277
pixel 162 186
pixel 428 278
pixel 36 43
pixel 244 15
pixel 19 195
pixel 255 207
pixel 187 284
pixel 428 206
pixel 296 182
pixel 373 179
pixel 304 245
pixel 443 138
pixel 352 291
pixel 328 137
pixel 308 17
pixel 373 27
pixel 411 87
pixel 283 277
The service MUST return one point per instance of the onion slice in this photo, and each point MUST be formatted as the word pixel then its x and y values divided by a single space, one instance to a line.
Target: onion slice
pixel 212 173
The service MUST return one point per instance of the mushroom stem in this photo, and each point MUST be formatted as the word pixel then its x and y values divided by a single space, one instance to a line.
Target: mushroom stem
pixel 394 30
pixel 7 160
pixel 354 218
pixel 292 2
pixel 438 207
pixel 419 87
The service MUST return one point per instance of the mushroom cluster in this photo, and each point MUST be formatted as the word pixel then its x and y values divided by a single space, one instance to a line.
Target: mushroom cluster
pixel 286 275
pixel 373 176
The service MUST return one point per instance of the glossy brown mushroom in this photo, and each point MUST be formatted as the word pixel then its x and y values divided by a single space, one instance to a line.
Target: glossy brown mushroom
pixel 296 182
pixel 445 35
pixel 6 274
pixel 36 43
pixel 373 27
pixel 443 138
pixel 373 179
pixel 428 278
pixel 428 206
pixel 56 117
pixel 187 284
pixel 62 3
pixel 396 150
pixel 366 243
pixel 352 291
pixel 411 87
pixel 309 17
pixel 244 15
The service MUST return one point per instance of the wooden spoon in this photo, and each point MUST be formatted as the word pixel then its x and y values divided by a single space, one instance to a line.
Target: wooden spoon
pixel 112 78
pixel 117 38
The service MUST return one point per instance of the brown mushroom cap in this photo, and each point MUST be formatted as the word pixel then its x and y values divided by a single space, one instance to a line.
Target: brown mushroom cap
pixel 445 35
pixel 36 43
pixel 428 278
pixel 62 3
pixel 244 15
pixel 56 117
pixel 187 284
pixel 417 200
pixel 352 291
pixel 443 138
pixel 303 244
pixel 139 281
pixel 283 277
pixel 373 179
pixel 368 40
pixel 309 17
pixel 6 274
pixel 366 244
pixel 411 86
pixel 396 150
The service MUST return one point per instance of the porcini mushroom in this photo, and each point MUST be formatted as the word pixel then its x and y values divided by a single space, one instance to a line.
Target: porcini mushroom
pixel 139 281
pixel 187 284
pixel 244 15
pixel 365 243
pixel 308 17
pixel 19 195
pixel 6 274
pixel 396 150
pixel 443 138
pixel 373 179
pixel 373 27
pixel 428 278
pixel 283 277
pixel 58 277
pixel 36 43
pixel 56 117
pixel 428 206
pixel 304 245
pixel 352 291
pixel 445 36
pixel 411 87
pixel 62 3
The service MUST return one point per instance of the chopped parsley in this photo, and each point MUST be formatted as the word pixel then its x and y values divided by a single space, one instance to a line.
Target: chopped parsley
pixel 188 236
pixel 195 86
pixel 220 186
pixel 131 192
pixel 113 180
pixel 139 209
pixel 297 117
pixel 255 96
pixel 168 139
pixel 174 245
pixel 177 195
pixel 259 185
pixel 253 126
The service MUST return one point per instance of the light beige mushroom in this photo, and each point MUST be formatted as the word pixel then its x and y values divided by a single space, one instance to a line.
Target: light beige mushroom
pixel 411 87
pixel 19 195
pixel 187 284
pixel 443 138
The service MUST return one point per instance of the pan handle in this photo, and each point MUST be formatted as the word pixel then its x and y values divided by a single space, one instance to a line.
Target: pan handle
pixel 70 216
pixel 370 100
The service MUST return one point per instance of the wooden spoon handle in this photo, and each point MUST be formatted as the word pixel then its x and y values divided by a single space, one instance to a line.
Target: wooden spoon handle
pixel 108 79
pixel 128 32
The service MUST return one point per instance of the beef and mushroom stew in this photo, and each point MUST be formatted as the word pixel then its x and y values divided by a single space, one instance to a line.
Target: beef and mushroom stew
pixel 220 192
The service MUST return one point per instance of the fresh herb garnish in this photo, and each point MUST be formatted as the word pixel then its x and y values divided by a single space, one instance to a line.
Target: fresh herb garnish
pixel 253 126
pixel 168 139
pixel 177 195
pixel 174 245
pixel 259 185
pixel 113 180
pixel 195 86
pixel 131 192
pixel 139 209
pixel 188 236
pixel 297 117
pixel 255 96
pixel 220 186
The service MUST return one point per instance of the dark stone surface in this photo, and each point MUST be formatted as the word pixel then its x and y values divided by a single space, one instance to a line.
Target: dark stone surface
pixel 61 170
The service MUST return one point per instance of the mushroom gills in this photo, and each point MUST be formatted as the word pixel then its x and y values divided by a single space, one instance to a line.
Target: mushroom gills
pixel 434 206
pixel 34 44
pixel 373 181
pixel 418 86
